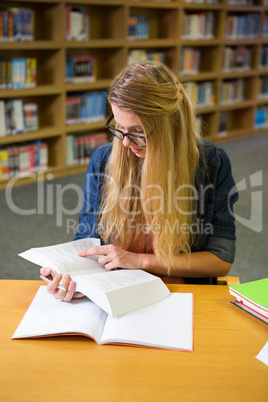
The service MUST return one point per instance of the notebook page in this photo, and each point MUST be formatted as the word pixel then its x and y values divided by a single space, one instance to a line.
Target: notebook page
pixel 48 316
pixel 168 324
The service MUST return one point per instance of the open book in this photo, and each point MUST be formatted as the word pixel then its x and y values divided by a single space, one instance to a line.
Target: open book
pixel 116 292
pixel 167 324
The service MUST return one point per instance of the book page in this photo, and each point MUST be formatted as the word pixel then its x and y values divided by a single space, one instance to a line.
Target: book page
pixel 64 257
pixel 166 324
pixel 123 278
pixel 48 316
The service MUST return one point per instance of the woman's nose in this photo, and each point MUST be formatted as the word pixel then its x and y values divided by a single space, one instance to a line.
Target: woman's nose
pixel 126 141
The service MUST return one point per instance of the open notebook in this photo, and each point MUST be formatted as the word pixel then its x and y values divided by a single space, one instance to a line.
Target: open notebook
pixel 167 324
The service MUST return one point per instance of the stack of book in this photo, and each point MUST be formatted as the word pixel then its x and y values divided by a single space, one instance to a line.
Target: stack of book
pixel 87 107
pixel 252 297
pixel 23 158
pixel 242 26
pixel 77 23
pixel 80 148
pixel 199 25
pixel 138 27
pixel 17 73
pixel 142 55
pixel 17 24
pixel 190 61
pixel 17 117
pixel 236 59
pixel 232 91
pixel 80 69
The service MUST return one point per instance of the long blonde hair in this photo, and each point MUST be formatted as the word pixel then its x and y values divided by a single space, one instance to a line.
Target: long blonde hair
pixel 138 195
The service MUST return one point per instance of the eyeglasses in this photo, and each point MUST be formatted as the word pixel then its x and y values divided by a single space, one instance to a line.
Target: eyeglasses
pixel 136 139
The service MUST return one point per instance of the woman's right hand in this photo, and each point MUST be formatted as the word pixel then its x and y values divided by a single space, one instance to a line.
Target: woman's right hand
pixel 66 295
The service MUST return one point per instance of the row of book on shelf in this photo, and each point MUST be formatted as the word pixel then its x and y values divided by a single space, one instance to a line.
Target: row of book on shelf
pixel 24 158
pixel 80 148
pixel 234 59
pixel 138 27
pixel 199 25
pixel 201 94
pixel 77 23
pixel 17 117
pixel 240 26
pixel 262 87
pixel 229 2
pixel 81 69
pixel 85 107
pixel 232 91
pixel 137 55
pixel 17 73
pixel 263 57
pixel 17 24
pixel 261 118
pixel 33 156
pixel 21 73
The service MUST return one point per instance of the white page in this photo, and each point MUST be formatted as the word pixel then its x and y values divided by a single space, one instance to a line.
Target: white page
pixel 98 288
pixel 47 316
pixel 263 354
pixel 64 257
pixel 114 280
pixel 168 323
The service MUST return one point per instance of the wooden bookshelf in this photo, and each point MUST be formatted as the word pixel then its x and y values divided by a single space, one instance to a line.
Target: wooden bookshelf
pixel 108 43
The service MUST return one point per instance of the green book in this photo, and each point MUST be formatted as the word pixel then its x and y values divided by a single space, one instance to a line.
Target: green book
pixel 252 297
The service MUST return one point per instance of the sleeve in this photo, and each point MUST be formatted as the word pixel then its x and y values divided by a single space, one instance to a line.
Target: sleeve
pixel 88 218
pixel 217 228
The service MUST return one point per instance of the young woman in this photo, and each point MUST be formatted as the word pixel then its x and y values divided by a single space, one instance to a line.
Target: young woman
pixel 159 197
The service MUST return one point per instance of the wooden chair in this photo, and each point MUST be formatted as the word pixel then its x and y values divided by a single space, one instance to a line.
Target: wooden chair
pixel 228 280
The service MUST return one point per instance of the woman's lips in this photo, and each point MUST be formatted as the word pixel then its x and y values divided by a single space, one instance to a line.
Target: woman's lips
pixel 136 151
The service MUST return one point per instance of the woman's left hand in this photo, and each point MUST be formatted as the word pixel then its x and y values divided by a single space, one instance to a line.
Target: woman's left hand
pixel 113 257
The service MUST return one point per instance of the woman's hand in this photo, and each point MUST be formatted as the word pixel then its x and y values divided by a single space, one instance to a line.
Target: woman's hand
pixel 114 257
pixel 52 287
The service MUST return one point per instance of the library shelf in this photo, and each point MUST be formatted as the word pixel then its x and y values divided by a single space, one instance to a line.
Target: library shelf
pixel 39 90
pixel 42 133
pixel 106 40
pixel 86 86
pixel 75 128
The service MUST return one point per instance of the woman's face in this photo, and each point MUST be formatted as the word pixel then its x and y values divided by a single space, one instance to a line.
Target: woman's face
pixel 129 124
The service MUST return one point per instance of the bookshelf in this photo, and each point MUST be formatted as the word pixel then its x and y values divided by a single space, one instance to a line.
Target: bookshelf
pixel 194 37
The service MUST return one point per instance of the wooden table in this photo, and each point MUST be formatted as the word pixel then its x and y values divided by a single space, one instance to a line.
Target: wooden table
pixel 222 366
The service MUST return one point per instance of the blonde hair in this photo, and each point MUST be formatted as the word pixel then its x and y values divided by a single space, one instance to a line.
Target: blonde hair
pixel 140 191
